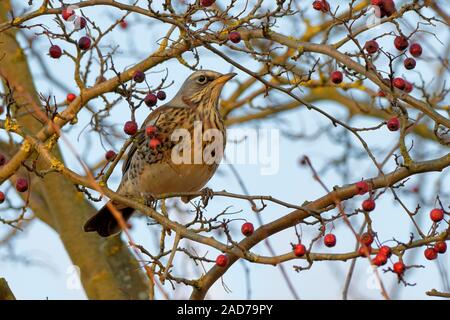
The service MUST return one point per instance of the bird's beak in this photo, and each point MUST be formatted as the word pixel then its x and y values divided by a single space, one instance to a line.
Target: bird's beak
pixel 225 77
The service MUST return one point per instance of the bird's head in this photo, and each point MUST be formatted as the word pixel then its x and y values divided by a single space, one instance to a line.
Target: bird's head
pixel 202 86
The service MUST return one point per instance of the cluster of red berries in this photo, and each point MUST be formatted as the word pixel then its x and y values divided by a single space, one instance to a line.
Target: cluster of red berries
pixel 152 133
pixel 151 99
pixel 432 252
pixel 321 5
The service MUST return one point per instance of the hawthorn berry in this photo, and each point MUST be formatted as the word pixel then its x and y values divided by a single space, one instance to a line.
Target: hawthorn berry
pixel 139 76
pixel 409 63
pixel 123 24
pixel 2 197
pixel 381 94
pixel 70 97
pixel 362 187
pixel 84 43
pixel 389 7
pixel 440 247
pixel 436 215
pixel 415 49
pixel 336 77
pixel 130 127
pixel 150 131
pixel 154 143
pixel 430 254
pixel 110 155
pixel 80 23
pixel 151 100
pixel 247 229
pixel 399 83
pixel 408 87
pixel 222 260
pixel 364 251
pixel 399 267
pixel 377 2
pixel 55 51
pixel 321 5
pixel 401 43
pixel 2 159
pixel 67 13
pixel 366 238
pixel 371 46
pixel 379 260
pixel 385 250
pixel 234 37
pixel 329 240
pixel 368 205
pixel 299 250
pixel 22 185
pixel 207 3
pixel 393 124
pixel 161 95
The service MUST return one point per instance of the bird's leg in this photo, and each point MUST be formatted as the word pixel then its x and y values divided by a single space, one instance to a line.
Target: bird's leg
pixel 150 200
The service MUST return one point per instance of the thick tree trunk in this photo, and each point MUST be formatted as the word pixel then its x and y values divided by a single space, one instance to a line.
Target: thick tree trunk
pixel 108 269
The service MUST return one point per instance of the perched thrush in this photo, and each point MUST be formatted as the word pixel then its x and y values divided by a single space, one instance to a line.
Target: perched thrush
pixel 152 166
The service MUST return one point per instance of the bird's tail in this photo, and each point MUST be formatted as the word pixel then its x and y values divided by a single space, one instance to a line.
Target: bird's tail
pixel 104 222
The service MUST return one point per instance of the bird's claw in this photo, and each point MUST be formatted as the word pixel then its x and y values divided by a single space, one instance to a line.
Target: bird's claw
pixel 206 194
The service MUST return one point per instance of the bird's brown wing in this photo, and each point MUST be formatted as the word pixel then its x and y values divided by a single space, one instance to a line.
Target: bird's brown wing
pixel 159 117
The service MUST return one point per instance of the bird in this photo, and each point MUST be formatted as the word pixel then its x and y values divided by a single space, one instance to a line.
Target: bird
pixel 152 165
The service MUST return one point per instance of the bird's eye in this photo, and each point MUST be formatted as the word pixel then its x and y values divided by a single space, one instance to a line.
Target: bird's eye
pixel 202 79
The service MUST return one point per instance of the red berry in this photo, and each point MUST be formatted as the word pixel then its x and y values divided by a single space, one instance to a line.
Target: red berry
pixel 436 215
pixel 70 97
pixel 207 3
pixel 84 43
pixel 430 254
pixel 55 52
pixel 401 43
pixel 154 143
pixel 222 260
pixel 329 240
pixel 234 37
pixel 22 185
pixel 130 127
pixel 385 250
pixel 377 2
pixel 161 95
pixel 123 24
pixel 399 83
pixel 440 247
pixel 151 100
pixel 2 159
pixel 321 5
pixel 110 155
pixel 150 130
pixel 408 87
pixel 2 197
pixel 371 46
pixel 368 205
pixel 379 260
pixel 362 187
pixel 336 77
pixel 67 13
pixel 381 93
pixel 366 238
pixel 365 251
pixel 393 124
pixel 409 63
pixel 80 23
pixel 399 267
pixel 139 76
pixel 247 229
pixel 299 250
pixel 415 50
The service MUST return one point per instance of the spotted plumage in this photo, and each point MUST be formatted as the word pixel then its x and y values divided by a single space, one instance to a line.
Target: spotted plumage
pixel 149 171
